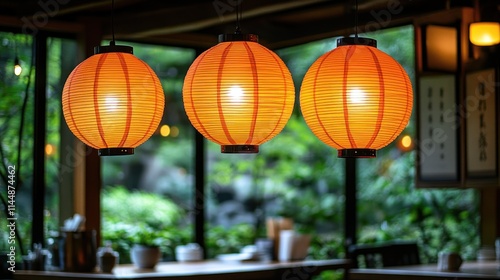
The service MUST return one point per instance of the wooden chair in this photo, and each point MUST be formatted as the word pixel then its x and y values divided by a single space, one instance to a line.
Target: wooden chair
pixel 383 255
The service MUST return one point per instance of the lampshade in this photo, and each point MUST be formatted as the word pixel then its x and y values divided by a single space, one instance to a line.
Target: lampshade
pixel 113 101
pixel 238 94
pixel 356 98
pixel 484 33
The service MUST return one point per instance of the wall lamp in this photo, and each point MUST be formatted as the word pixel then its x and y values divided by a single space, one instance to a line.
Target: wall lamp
pixel 484 33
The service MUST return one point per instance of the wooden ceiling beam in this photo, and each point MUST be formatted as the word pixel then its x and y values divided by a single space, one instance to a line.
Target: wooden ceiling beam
pixel 275 36
pixel 94 5
pixel 196 17
pixel 29 28
pixel 280 31
pixel 65 10
pixel 196 23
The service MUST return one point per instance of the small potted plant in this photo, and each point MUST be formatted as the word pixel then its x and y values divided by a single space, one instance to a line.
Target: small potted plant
pixel 301 241
pixel 145 252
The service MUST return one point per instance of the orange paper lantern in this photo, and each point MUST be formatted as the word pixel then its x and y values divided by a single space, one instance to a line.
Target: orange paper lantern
pixel 238 94
pixel 356 98
pixel 113 101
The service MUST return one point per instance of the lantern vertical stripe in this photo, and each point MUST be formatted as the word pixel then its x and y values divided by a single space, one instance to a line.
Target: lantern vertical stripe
pixel 96 99
pixel 219 101
pixel 69 103
pixel 152 122
pixel 255 77
pixel 350 52
pixel 191 100
pixel 381 102
pixel 314 99
pixel 402 124
pixel 285 90
pixel 128 119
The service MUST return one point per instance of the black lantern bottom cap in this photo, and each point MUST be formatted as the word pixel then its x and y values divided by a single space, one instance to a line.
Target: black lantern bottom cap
pixel 357 153
pixel 116 151
pixel 239 149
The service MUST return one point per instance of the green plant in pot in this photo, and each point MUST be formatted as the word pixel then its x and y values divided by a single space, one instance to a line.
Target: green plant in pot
pixel 145 252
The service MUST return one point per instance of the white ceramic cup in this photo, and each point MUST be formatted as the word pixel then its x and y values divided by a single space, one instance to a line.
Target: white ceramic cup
pixel 286 245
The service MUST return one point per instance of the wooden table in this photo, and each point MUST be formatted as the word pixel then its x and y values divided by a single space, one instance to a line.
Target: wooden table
pixel 468 270
pixel 302 270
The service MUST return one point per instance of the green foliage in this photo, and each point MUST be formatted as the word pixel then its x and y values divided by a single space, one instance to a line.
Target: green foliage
pixel 147 219
pixel 123 236
pixel 16 118
pixel 15 91
pixel 327 246
pixel 288 176
pixel 148 208
pixel 144 235
pixel 124 233
pixel 226 241
pixel 391 208
pixel 313 211
pixel 330 275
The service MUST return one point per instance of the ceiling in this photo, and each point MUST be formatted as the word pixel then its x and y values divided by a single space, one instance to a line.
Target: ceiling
pixel 196 23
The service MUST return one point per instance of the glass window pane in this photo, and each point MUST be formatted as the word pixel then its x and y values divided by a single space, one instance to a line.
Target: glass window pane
pixel 16 119
pixel 157 181
pixel 389 205
pixel 61 59
pixel 294 175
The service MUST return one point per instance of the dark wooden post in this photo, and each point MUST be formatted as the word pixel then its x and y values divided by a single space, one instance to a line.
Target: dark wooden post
pixel 38 191
pixel 199 192
pixel 350 215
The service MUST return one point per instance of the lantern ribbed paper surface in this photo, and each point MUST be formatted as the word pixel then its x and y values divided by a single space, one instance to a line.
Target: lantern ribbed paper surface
pixel 239 95
pixel 113 102
pixel 356 99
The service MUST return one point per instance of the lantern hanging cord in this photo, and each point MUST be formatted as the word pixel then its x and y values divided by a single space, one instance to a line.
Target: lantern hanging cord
pixel 112 22
pixel 356 18
pixel 238 18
